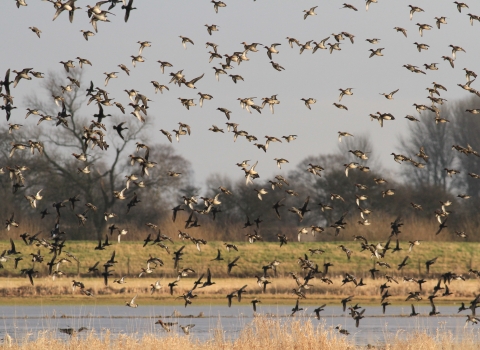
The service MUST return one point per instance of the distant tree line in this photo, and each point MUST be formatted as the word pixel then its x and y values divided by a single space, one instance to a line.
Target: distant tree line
pixel 362 201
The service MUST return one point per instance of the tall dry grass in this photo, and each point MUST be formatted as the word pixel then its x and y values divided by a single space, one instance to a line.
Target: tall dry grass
pixel 261 334
pixel 415 227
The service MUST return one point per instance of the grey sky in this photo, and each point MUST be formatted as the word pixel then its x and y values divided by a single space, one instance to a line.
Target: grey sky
pixel 318 75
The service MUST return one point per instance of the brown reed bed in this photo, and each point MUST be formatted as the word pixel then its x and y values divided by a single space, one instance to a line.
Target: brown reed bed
pixel 262 333
pixel 414 228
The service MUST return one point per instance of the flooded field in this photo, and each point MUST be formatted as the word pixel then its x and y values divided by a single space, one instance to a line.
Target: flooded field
pixel 22 322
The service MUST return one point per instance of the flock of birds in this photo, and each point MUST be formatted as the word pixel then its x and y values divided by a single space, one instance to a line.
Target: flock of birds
pixel 94 135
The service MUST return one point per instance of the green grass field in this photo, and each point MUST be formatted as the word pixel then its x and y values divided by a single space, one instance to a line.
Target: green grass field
pixel 131 257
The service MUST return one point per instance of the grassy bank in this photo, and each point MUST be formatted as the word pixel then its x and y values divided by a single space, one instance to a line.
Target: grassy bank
pixel 263 333
pixel 456 257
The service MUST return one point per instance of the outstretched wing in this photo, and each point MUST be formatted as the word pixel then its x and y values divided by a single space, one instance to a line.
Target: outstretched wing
pixel 197 78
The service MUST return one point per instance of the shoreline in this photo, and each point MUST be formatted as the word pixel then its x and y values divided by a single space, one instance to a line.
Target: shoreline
pixel 279 292
pixel 109 300
pixel 45 290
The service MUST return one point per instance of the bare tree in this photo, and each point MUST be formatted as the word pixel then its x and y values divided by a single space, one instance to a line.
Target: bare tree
pixel 104 171
pixel 362 143
pixel 465 133
pixel 436 140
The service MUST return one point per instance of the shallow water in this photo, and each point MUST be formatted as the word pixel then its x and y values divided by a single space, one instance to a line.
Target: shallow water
pixel 375 328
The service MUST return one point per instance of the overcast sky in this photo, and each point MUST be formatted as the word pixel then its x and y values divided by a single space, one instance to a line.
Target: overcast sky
pixel 318 75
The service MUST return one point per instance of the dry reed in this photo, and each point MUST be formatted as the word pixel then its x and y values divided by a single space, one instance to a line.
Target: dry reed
pixel 414 228
pixel 262 333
